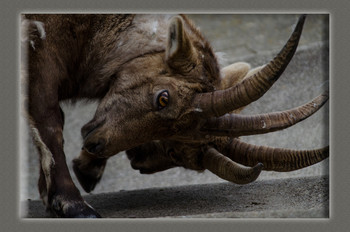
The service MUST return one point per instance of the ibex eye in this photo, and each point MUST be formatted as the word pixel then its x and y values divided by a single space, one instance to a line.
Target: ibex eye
pixel 162 99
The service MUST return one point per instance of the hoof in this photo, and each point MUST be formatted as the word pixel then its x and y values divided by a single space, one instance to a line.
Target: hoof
pixel 75 209
pixel 88 175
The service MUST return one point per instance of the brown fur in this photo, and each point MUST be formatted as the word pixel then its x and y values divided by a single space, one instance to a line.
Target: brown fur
pixel 118 61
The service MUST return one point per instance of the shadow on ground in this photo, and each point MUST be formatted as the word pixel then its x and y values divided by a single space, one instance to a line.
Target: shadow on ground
pixel 285 198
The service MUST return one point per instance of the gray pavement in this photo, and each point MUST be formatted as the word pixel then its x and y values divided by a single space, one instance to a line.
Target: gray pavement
pixel 290 198
pixel 251 38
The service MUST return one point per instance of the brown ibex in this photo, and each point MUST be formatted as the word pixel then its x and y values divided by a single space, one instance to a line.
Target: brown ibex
pixel 161 98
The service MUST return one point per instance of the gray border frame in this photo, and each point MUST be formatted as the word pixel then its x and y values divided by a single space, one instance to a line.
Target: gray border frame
pixel 9 137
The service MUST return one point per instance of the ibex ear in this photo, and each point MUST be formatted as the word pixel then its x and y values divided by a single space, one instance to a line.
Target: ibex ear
pixel 233 74
pixel 179 52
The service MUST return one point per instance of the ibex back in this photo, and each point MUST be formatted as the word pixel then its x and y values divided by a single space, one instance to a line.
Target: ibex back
pixel 156 79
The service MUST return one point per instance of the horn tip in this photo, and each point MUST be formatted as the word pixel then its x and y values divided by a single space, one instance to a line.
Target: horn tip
pixel 257 169
pixel 302 18
pixel 300 23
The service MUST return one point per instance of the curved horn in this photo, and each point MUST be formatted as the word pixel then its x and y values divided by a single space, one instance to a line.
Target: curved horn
pixel 274 159
pixel 235 125
pixel 229 170
pixel 219 102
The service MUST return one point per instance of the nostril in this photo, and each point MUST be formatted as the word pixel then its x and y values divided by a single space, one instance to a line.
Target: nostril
pixel 90 127
pixel 95 147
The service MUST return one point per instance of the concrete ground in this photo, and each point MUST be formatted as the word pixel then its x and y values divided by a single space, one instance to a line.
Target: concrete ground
pixel 251 38
pixel 281 198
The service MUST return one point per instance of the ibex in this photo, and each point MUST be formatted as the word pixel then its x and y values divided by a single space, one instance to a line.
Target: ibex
pixel 162 97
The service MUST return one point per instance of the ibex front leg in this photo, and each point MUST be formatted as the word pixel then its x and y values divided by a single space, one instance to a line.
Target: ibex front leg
pixel 55 184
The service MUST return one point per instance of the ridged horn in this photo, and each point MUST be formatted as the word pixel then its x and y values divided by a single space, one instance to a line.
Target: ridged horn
pixel 228 170
pixel 219 102
pixel 235 125
pixel 274 159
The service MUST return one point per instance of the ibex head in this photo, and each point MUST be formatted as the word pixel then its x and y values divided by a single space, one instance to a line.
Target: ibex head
pixel 153 95
pixel 179 96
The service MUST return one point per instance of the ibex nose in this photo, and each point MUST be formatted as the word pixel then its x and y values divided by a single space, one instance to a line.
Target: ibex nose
pixel 95 147
pixel 90 127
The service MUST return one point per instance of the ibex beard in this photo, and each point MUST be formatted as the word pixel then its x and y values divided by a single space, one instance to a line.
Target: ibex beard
pixel 161 98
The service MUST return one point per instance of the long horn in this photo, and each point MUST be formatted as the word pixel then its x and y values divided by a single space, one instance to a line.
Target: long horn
pixel 274 159
pixel 219 102
pixel 229 170
pixel 235 125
